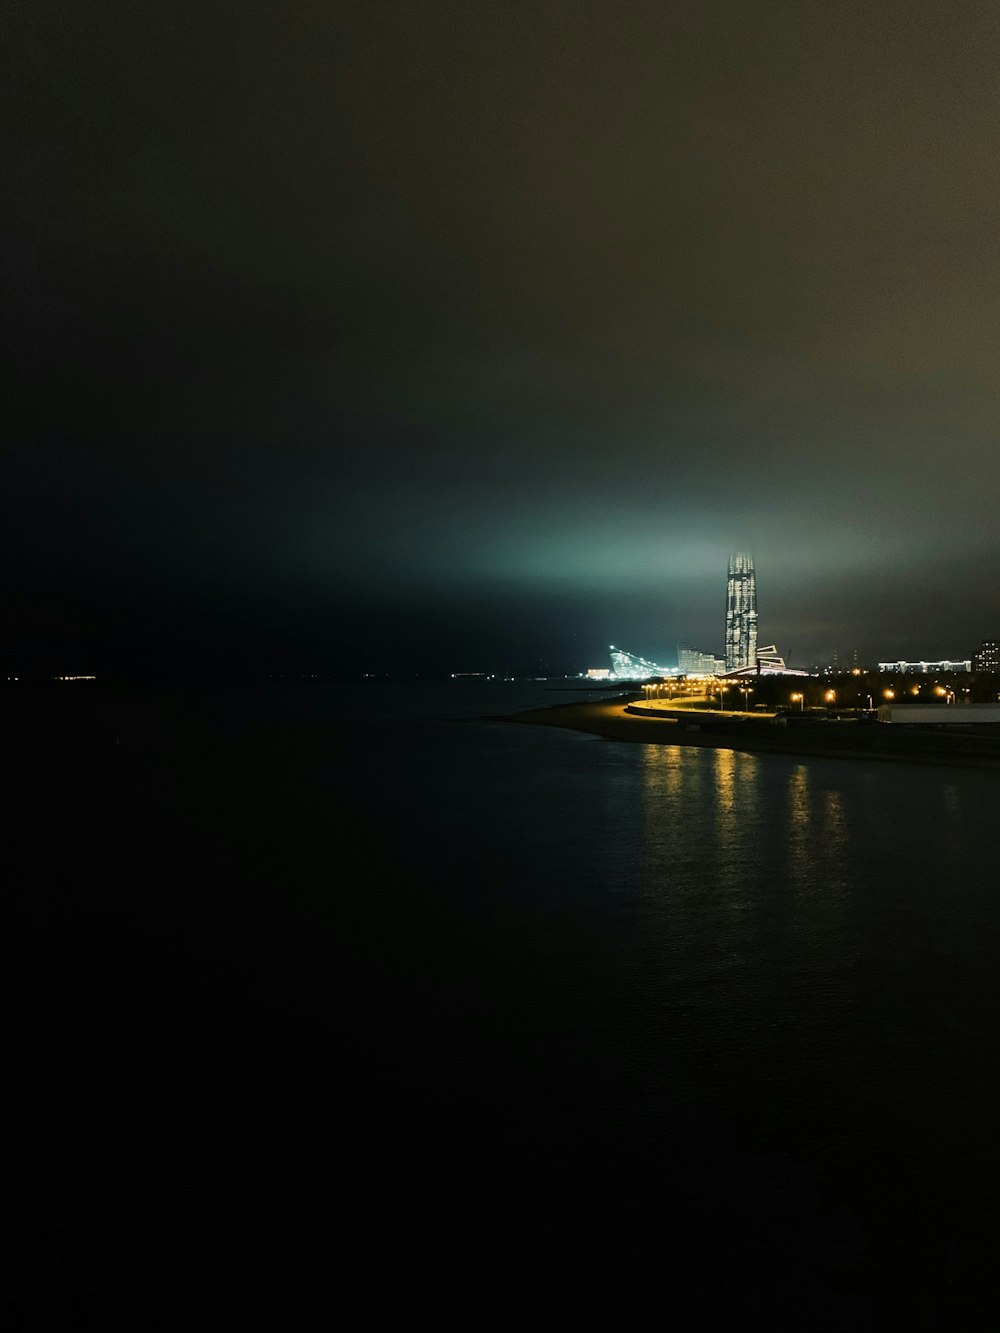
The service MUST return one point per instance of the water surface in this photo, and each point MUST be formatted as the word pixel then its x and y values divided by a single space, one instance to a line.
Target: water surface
pixel 535 1027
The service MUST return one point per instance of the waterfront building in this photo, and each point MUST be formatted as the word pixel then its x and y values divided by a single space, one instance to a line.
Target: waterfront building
pixel 988 657
pixel 693 662
pixel 741 613
pixel 925 668
pixel 627 666
pixel 767 662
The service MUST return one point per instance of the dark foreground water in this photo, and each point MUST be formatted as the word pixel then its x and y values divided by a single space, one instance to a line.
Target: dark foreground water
pixel 334 1004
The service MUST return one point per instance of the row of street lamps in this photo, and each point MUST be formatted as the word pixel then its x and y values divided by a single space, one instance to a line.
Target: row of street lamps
pixel 723 690
pixel 830 696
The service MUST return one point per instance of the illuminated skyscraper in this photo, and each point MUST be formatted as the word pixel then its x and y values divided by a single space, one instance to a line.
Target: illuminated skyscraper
pixel 741 613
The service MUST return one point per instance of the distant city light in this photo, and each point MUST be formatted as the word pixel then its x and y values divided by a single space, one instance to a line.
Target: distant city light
pixel 924 668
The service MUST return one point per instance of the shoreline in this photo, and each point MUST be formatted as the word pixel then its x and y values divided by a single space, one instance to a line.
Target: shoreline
pixel 611 721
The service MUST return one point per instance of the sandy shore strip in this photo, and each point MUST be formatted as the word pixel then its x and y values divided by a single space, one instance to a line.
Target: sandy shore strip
pixel 849 740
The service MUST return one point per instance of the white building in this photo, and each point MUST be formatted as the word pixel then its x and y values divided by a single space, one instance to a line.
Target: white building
pixel 693 662
pixel 924 668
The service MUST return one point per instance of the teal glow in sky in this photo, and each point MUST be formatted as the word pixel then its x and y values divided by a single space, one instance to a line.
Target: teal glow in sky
pixel 492 329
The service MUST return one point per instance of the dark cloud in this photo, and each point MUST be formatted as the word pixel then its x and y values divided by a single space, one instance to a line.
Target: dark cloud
pixel 452 332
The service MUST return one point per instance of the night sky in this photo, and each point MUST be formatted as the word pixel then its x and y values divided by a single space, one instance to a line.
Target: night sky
pixel 474 335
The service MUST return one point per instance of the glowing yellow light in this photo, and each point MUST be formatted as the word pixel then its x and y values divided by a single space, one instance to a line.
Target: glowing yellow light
pixel 830 696
pixel 889 694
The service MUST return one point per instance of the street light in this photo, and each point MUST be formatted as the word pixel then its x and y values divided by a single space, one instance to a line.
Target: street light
pixel 800 700
pixel 889 694
pixel 830 696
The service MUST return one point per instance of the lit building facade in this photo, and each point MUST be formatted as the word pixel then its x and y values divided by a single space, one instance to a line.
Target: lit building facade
pixel 626 666
pixel 988 657
pixel 741 613
pixel 694 663
pixel 767 662
pixel 924 668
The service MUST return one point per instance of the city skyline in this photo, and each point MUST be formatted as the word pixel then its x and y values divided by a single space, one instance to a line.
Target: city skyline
pixel 742 650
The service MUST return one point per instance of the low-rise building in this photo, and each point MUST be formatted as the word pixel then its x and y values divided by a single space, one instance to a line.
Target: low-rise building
pixel 940 715
pixel 925 668
pixel 693 662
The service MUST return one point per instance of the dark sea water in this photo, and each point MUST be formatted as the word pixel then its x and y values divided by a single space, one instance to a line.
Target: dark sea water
pixel 335 1003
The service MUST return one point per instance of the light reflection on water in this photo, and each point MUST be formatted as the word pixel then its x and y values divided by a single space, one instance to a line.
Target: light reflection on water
pixel 751 889
pixel 755 821
pixel 626 943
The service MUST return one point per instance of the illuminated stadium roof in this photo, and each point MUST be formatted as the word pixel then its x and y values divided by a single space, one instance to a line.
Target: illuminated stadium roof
pixel 626 666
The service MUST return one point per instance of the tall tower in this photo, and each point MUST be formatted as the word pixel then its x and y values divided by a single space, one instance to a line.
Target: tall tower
pixel 741 612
